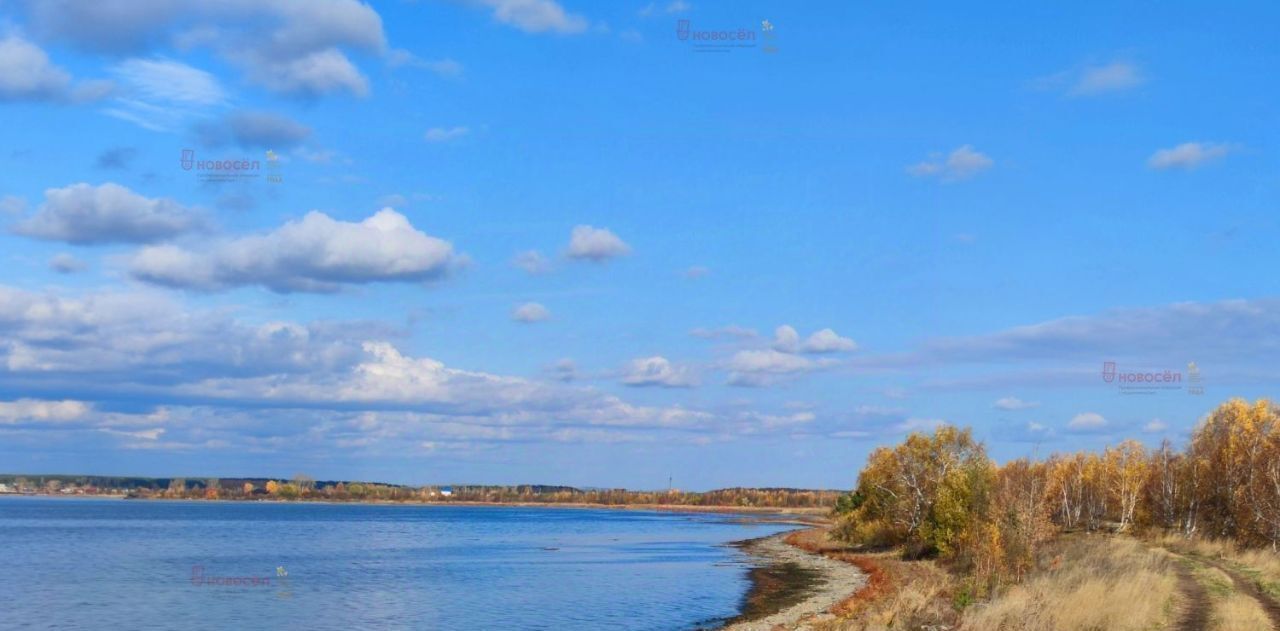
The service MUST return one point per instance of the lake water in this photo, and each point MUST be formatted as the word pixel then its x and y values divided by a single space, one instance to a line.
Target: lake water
pixel 117 564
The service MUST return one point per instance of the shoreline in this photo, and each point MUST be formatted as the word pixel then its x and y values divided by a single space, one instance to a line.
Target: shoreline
pixel 803 516
pixel 791 586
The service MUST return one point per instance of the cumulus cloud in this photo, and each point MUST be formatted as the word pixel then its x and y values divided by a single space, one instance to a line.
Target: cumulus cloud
pixel 445 134
pixel 961 164
pixel 658 371
pixel 1014 403
pixel 224 383
pixel 1087 422
pixel 314 254
pixel 595 244
pixel 27 74
pixel 1188 155
pixel 756 368
pixel 535 16
pixel 532 262
pixel 828 341
pixel 82 214
pixel 787 340
pixel 252 130
pixel 530 312
pixel 293 47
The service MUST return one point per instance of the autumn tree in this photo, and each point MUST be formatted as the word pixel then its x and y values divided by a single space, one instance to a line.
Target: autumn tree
pixel 923 492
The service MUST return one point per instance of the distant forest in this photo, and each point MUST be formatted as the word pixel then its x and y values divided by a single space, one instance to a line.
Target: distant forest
pixel 302 487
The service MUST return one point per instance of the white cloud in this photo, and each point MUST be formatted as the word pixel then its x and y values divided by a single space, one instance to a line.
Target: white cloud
pixel 658 371
pixel 1087 421
pixel 311 75
pixel 962 163
pixel 787 340
pixel 37 411
pixel 27 74
pixel 530 312
pixel 828 341
pixel 84 215
pixel 532 261
pixel 314 254
pixel 168 81
pixel 1188 155
pixel 1155 426
pixel 595 244
pixel 1014 403
pixel 445 134
pixel 1113 77
pixel 757 368
pixel 288 46
pixel 535 16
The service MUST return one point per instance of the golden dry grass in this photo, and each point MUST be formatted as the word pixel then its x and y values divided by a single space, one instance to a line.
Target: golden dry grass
pixel 899 595
pixel 1098 583
pixel 1238 612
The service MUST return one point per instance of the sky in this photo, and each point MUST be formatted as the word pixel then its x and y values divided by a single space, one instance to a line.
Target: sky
pixel 605 244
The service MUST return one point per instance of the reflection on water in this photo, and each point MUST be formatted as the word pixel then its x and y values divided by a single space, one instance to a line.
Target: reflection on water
pixel 102 564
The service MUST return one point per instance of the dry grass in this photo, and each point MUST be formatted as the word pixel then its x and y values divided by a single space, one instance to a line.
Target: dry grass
pixel 1095 583
pixel 1238 612
pixel 898 594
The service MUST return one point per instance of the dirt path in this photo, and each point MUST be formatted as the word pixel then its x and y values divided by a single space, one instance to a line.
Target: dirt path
pixel 1249 587
pixel 1195 614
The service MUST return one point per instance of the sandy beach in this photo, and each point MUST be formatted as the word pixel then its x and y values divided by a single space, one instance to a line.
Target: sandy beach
pixel 793 588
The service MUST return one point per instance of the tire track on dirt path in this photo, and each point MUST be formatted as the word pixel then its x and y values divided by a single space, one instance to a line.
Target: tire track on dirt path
pixel 1249 587
pixel 1195 615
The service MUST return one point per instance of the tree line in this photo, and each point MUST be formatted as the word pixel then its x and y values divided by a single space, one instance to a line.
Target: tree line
pixel 939 494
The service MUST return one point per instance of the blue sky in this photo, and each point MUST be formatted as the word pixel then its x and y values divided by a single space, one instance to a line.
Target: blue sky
pixel 529 241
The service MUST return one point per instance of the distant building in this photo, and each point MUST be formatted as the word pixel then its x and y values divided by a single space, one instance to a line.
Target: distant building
pixel 5 488
pixel 446 491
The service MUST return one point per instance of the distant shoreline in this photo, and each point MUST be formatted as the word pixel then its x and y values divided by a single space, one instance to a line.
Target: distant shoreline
pixel 803 516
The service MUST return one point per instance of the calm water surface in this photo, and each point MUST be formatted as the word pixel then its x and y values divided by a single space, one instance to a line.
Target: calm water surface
pixel 114 564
